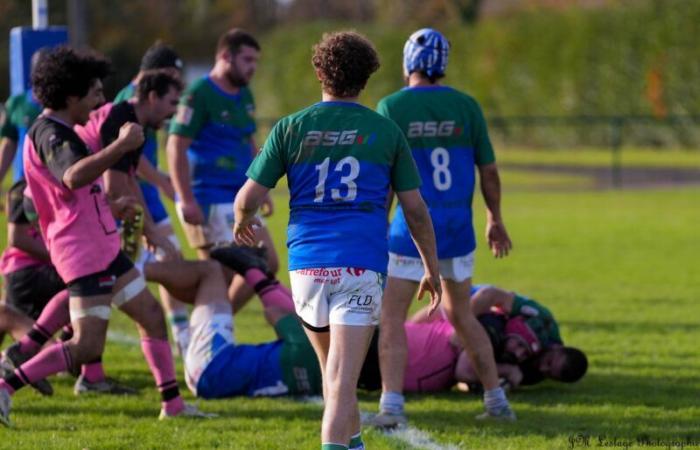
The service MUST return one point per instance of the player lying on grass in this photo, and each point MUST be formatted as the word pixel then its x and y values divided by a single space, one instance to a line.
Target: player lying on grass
pixel 75 218
pixel 523 333
pixel 526 340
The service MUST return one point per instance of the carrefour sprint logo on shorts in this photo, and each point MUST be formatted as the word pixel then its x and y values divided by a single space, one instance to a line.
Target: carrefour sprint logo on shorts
pixel 315 138
pixel 433 129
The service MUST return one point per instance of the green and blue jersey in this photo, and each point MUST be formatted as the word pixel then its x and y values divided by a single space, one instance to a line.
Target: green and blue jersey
pixel 447 134
pixel 221 126
pixel 340 160
pixel 20 112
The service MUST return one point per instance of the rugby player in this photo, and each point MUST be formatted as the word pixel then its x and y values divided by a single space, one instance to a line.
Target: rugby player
pixel 20 112
pixel 75 218
pixel 210 147
pixel 448 137
pixel 340 159
pixel 159 57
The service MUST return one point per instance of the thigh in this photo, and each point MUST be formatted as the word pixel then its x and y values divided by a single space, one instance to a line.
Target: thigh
pixel 398 295
pixel 456 296
pixel 348 349
pixel 220 223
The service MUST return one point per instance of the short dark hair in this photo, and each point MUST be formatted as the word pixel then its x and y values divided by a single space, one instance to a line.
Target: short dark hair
pixel 344 62
pixel 160 56
pixel 234 39
pixel 575 366
pixel 158 81
pixel 63 72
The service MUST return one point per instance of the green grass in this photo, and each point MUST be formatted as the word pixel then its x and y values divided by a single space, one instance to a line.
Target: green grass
pixel 596 157
pixel 619 269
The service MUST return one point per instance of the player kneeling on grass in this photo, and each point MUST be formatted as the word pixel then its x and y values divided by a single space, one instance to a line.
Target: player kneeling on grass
pixel 64 179
pixel 341 159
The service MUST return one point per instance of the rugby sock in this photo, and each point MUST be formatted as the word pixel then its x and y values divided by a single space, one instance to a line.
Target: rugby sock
pixel 270 291
pixel 495 399
pixel 51 360
pixel 55 315
pixel 391 403
pixel 331 446
pixel 93 371
pixel 180 328
pixel 356 442
pixel 160 360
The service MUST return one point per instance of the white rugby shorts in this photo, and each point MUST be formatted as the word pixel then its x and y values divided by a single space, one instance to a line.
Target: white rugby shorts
pixel 408 268
pixel 338 296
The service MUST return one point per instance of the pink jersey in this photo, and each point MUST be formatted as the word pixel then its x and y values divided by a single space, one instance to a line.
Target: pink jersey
pixel 90 132
pixel 78 225
pixel 431 357
pixel 14 259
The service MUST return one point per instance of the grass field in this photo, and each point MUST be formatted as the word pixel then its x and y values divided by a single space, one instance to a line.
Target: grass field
pixel 620 271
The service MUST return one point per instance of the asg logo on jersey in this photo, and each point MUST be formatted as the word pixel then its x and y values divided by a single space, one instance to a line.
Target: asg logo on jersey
pixel 315 138
pixel 433 129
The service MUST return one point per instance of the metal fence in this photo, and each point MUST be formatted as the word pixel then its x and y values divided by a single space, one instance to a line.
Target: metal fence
pixel 614 132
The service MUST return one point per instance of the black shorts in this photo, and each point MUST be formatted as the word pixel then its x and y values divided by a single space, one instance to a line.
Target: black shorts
pixel 101 283
pixel 31 288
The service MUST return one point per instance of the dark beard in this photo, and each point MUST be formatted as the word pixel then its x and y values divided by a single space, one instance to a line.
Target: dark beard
pixel 236 80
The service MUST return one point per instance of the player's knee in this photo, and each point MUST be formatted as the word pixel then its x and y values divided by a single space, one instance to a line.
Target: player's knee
pixel 85 348
pixel 273 263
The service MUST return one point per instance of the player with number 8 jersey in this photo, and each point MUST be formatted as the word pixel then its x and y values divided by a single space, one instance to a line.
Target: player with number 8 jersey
pixel 449 139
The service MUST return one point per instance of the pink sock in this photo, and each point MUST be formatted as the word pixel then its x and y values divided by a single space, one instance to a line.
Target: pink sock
pixel 160 360
pixel 50 361
pixel 93 372
pixel 270 291
pixel 55 315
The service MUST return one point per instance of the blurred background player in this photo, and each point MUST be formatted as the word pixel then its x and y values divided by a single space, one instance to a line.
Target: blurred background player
pixel 340 162
pixel 20 112
pixel 448 138
pixel 211 146
pixel 83 242
pixel 159 57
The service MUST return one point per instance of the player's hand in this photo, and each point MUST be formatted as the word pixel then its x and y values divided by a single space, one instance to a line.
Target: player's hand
pixel 498 239
pixel 267 208
pixel 124 207
pixel 244 233
pixel 431 284
pixel 166 186
pixel 157 241
pixel 131 136
pixel 192 213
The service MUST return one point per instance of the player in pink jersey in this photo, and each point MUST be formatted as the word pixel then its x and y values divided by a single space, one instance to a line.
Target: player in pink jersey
pixel 80 231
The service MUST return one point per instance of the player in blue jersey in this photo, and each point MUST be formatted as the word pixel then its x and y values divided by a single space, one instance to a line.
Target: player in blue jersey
pixel 211 146
pixel 448 137
pixel 340 159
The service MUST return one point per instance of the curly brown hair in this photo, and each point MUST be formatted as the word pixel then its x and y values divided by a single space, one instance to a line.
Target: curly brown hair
pixel 344 62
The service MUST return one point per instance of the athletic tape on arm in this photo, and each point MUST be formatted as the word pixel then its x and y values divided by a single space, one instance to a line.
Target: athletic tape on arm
pixel 128 292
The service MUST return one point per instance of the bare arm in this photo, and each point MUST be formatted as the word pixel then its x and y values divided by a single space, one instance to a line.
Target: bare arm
pixel 421 227
pixel 8 149
pixel 496 233
pixel 490 297
pixel 88 169
pixel 180 172
pixel 149 173
pixel 245 206
pixel 18 235
pixel 464 371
